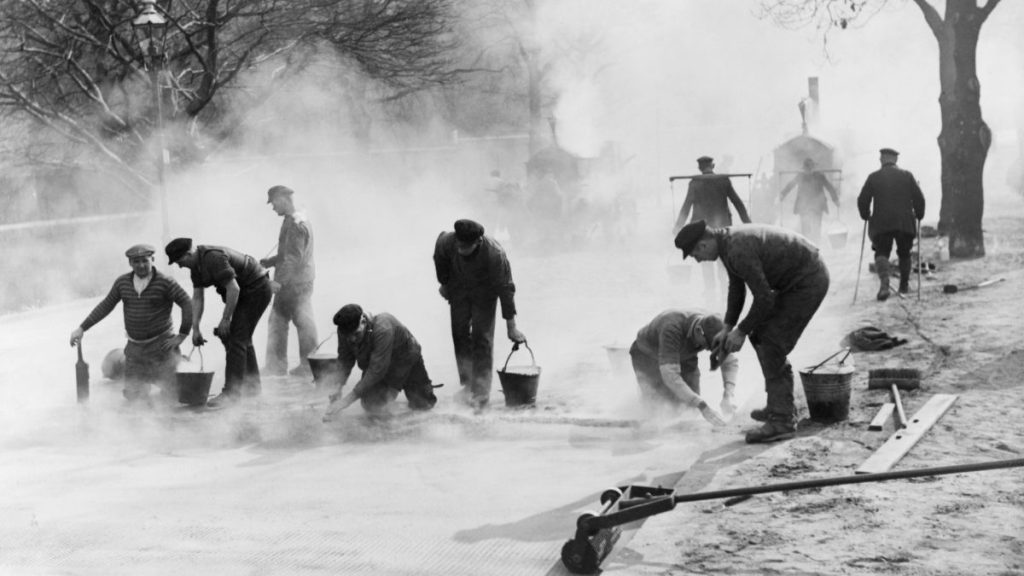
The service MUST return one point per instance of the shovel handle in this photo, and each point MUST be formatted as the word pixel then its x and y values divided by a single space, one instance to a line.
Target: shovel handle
pixel 516 347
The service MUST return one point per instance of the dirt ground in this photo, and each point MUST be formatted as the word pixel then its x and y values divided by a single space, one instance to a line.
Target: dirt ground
pixel 969 344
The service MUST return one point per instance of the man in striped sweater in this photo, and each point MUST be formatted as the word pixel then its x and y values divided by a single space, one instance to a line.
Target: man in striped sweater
pixel 152 352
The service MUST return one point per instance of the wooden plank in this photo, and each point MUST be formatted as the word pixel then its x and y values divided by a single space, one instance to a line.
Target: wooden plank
pixel 883 414
pixel 903 440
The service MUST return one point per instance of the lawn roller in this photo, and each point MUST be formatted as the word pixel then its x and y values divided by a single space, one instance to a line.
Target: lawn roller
pixel 597 533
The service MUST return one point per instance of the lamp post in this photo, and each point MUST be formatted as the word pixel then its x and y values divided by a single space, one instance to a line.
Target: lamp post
pixel 150 28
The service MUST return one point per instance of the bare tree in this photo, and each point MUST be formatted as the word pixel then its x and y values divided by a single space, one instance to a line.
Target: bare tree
pixel 965 137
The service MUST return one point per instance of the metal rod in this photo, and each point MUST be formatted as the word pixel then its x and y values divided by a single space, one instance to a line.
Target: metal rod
pixel 855 479
pixel 920 260
pixel 901 416
pixel 860 263
pixel 710 176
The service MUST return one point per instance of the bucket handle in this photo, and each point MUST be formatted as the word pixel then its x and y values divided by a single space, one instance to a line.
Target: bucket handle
pixel 322 342
pixel 822 363
pixel 516 347
pixel 189 357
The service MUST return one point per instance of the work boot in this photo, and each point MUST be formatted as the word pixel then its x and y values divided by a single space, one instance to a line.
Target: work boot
pixel 223 400
pixel 771 431
pixel 904 275
pixel 759 414
pixel 882 269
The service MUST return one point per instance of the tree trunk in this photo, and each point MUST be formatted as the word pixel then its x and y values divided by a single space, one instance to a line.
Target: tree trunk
pixel 965 138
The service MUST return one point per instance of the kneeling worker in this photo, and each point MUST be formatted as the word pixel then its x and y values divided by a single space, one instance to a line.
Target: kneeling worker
pixel 788 281
pixel 664 358
pixel 389 357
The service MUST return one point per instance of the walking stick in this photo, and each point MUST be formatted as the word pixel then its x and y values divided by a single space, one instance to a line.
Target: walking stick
pixel 920 262
pixel 860 263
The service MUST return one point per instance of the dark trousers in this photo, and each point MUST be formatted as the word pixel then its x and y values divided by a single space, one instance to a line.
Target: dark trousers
pixel 778 335
pixel 148 363
pixel 292 304
pixel 241 370
pixel 882 242
pixel 472 321
pixel 653 390
pixel 414 381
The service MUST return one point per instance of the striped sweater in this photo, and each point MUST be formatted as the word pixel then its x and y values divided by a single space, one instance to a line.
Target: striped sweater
pixel 149 314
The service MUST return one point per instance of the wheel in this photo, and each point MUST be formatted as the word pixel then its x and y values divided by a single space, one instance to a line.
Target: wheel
pixel 610 496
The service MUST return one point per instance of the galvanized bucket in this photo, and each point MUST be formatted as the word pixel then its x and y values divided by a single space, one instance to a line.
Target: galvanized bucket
pixel 519 383
pixel 828 388
pixel 194 387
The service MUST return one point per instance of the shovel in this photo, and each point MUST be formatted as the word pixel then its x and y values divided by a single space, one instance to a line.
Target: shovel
pixel 82 376
pixel 953 288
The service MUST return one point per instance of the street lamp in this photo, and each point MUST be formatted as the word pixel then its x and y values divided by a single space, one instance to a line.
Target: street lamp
pixel 150 29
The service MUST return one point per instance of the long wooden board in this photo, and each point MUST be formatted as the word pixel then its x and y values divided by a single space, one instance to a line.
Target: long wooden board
pixel 897 446
pixel 883 414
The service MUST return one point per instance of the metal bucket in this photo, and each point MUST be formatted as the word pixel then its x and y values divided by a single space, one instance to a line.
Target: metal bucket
pixel 194 387
pixel 519 383
pixel 325 368
pixel 827 389
pixel 837 235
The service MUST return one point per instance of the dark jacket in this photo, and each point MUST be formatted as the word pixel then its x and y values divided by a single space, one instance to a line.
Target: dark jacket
pixel 708 195
pixel 388 351
pixel 810 193
pixel 897 200
pixel 219 265
pixel 484 274
pixel 767 259
pixel 293 263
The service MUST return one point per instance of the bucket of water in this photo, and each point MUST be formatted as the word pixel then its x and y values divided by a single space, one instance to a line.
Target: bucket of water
pixel 194 387
pixel 519 383
pixel 324 366
pixel 827 389
pixel 837 236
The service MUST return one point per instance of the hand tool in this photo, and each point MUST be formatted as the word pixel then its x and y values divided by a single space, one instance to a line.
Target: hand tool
pixel 596 534
pixel 860 261
pixel 901 416
pixel 953 288
pixel 903 378
pixel 82 376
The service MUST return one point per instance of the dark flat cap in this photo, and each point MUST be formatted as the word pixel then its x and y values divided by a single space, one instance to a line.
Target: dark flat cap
pixel 705 160
pixel 347 319
pixel 689 236
pixel 140 250
pixel 277 191
pixel 889 151
pixel 468 231
pixel 177 248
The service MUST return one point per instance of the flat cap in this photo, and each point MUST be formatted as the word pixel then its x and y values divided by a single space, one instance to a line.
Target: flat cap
pixel 348 317
pixel 278 190
pixel 140 250
pixel 468 231
pixel 705 160
pixel 688 237
pixel 889 152
pixel 177 248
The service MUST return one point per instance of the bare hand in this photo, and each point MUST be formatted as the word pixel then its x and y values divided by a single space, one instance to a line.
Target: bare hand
pixel 516 336
pixel 443 291
pixel 728 406
pixel 711 415
pixel 223 329
pixel 275 287
pixel 76 335
pixel 266 263
pixel 734 341
pixel 197 337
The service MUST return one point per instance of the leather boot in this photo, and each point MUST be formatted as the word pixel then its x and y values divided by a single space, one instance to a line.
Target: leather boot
pixel 759 414
pixel 771 431
pixel 904 275
pixel 882 269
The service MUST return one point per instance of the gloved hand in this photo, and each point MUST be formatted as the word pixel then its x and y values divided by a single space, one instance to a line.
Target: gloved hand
pixel 728 406
pixel 711 415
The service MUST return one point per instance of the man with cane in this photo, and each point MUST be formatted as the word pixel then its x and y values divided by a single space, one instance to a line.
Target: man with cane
pixel 893 205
